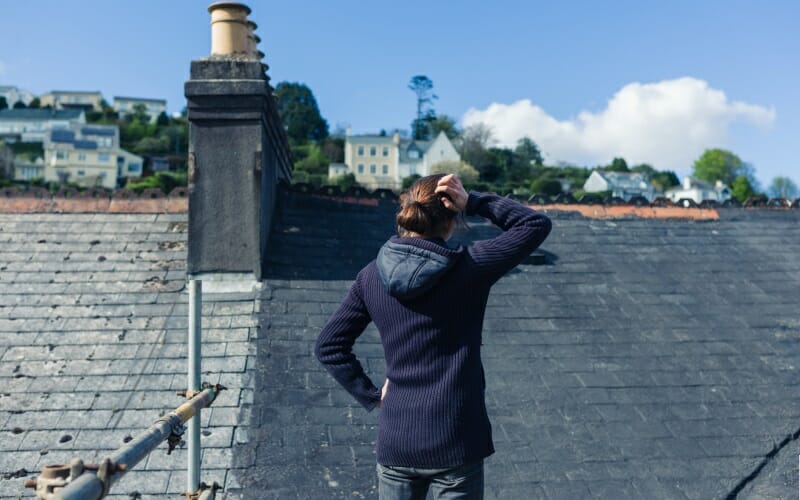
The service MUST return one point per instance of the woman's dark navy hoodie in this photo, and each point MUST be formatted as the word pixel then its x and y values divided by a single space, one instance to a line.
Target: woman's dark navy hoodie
pixel 428 301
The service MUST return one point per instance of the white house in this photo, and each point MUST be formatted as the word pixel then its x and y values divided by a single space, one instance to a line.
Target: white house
pixel 14 95
pixel 33 125
pixel 624 185
pixel 154 107
pixel 697 190
pixel 383 161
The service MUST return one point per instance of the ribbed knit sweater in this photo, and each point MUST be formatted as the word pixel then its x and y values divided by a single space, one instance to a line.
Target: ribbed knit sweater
pixel 434 412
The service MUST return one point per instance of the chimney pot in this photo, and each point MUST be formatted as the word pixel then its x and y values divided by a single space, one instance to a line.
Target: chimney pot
pixel 229 28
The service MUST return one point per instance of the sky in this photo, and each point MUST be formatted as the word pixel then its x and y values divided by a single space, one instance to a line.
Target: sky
pixel 654 82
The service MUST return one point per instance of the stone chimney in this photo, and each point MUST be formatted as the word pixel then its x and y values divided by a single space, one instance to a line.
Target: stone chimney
pixel 238 153
pixel 687 182
pixel 396 138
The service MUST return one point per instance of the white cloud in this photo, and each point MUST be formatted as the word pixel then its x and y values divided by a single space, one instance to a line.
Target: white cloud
pixel 667 124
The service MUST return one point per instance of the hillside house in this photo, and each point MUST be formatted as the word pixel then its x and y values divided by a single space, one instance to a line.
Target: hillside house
pixel 623 185
pixel 33 125
pixel 89 156
pixel 697 190
pixel 383 161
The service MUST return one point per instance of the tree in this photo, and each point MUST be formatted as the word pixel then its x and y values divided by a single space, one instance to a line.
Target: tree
pixel 664 180
pixel 140 113
pixel 720 165
pixel 333 147
pixel 443 123
pixel 463 170
pixel 741 189
pixel 782 187
pixel 162 120
pixel 618 165
pixel 422 86
pixel 345 181
pixel 529 151
pixel 474 149
pixel 546 185
pixel 299 113
pixel 3 103
pixel 411 179
pixel 35 103
pixel 311 159
pixel 19 105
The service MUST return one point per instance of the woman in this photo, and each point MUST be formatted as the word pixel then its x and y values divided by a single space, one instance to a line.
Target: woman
pixel 428 302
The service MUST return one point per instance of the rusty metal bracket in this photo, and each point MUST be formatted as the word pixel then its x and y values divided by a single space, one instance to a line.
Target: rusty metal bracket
pixel 189 394
pixel 53 478
pixel 204 492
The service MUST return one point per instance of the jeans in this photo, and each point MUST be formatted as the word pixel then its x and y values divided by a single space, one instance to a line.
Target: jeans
pixel 409 483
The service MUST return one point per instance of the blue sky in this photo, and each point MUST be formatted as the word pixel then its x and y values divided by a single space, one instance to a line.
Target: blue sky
pixel 650 81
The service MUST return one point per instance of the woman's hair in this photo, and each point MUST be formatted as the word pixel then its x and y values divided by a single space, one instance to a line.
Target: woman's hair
pixel 422 210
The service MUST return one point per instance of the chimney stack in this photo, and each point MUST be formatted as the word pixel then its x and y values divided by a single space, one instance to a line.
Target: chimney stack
pixel 238 153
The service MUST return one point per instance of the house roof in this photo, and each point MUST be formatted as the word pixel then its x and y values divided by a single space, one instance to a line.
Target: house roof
pixel 630 180
pixel 370 139
pixel 80 92
pixel 93 318
pixel 100 130
pixel 40 114
pixel 646 358
pixel 141 99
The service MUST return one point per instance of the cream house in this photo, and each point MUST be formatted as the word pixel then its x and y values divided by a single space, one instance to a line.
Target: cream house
pixel 383 161
pixel 61 99
pixel 89 156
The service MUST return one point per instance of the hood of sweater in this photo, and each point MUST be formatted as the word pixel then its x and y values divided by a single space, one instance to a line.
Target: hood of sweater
pixel 409 267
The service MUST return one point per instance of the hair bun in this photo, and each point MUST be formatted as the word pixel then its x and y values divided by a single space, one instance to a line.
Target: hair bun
pixel 422 210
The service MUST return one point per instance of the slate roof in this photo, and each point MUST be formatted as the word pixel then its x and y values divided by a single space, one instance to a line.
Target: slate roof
pixel 93 319
pixel 624 180
pixel 40 114
pixel 646 359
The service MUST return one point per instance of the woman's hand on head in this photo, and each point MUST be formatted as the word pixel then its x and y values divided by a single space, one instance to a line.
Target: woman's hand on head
pixel 456 199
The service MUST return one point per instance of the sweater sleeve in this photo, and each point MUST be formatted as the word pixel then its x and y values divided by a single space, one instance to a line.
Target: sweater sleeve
pixel 524 229
pixel 334 348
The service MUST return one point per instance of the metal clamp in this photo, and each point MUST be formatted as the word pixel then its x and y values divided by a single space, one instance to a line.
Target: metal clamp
pixel 204 492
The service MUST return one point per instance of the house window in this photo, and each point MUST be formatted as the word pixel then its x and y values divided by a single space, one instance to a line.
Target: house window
pixel 103 157
pixel 413 153
pixel 372 169
pixel 133 167
pixel 81 172
pixel 385 169
pixel 62 155
pixel 360 169
pixel 361 151
pixel 373 151
pixel 81 157
pixel 103 175
pixel 385 151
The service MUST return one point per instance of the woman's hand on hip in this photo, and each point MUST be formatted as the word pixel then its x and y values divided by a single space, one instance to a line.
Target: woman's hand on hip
pixel 383 392
pixel 457 196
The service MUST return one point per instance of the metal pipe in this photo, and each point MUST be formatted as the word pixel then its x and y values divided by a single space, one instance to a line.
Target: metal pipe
pixel 195 330
pixel 90 486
